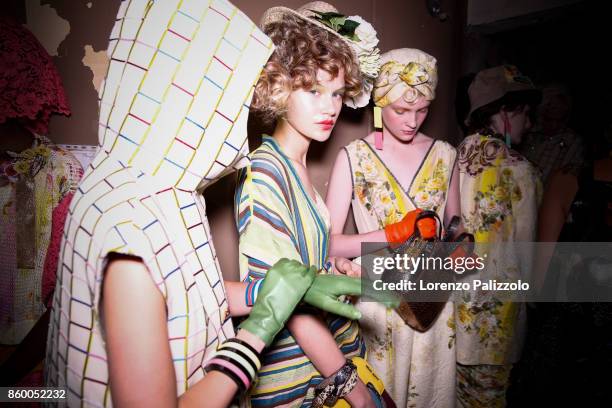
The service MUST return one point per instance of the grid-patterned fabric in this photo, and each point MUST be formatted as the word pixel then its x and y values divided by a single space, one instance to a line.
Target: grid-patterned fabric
pixel 173 115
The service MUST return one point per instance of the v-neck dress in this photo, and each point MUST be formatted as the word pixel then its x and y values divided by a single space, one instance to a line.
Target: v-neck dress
pixel 276 218
pixel 418 369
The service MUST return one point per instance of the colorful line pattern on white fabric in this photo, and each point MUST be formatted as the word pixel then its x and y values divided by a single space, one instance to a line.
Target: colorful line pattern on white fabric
pixel 173 114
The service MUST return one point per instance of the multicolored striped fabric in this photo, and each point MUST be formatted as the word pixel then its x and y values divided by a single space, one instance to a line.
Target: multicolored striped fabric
pixel 173 116
pixel 276 218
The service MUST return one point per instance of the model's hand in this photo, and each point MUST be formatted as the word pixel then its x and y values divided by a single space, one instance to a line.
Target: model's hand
pixel 347 267
pixel 282 289
pixel 327 289
pixel 399 232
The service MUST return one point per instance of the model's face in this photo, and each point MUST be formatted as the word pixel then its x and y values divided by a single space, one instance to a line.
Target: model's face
pixel 403 120
pixel 312 113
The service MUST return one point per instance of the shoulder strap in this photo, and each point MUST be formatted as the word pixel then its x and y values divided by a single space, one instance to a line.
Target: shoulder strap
pixel 350 151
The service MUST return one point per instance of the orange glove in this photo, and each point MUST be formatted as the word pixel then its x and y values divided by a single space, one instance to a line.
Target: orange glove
pixel 399 232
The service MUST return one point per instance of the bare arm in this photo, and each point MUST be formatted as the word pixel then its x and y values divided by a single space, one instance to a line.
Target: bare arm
pixel 235 298
pixel 137 338
pixel 553 212
pixel 216 389
pixel 338 202
pixel 602 169
pixel 555 207
pixel 139 358
pixel 314 337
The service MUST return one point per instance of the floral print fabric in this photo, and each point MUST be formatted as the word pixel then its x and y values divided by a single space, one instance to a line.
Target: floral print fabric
pixel 32 184
pixel 499 195
pixel 378 193
pixel 482 386
pixel 418 369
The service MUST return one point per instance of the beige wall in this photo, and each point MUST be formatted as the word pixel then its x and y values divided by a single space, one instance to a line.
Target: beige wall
pixel 87 26
pixel 402 23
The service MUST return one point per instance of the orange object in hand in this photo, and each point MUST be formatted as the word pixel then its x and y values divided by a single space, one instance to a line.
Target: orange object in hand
pixel 399 232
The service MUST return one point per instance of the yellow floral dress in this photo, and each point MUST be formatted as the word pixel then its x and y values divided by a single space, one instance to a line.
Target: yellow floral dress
pixel 32 183
pixel 418 369
pixel 500 191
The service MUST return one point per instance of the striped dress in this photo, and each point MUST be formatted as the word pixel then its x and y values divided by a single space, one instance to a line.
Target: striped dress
pixel 276 218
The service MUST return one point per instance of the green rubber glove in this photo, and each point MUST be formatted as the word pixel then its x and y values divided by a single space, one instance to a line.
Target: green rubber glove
pixel 281 291
pixel 326 290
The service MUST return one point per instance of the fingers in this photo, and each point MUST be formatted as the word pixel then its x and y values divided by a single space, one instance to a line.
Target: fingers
pixel 338 285
pixel 427 228
pixel 355 270
pixel 347 267
pixel 341 265
pixel 339 308
pixel 387 298
pixel 326 289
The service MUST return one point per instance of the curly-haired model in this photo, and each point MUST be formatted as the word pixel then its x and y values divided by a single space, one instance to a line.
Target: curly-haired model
pixel 279 213
pixel 301 49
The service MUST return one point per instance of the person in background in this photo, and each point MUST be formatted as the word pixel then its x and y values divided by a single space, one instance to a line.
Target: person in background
pixel 500 191
pixel 552 144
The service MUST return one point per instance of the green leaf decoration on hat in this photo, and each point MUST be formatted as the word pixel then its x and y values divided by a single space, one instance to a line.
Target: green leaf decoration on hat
pixel 348 30
pixel 339 23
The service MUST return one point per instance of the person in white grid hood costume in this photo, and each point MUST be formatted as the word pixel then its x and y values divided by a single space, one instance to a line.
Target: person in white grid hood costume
pixel 173 115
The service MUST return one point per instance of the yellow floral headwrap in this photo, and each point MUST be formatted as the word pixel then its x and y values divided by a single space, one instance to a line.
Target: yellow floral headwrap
pixel 407 73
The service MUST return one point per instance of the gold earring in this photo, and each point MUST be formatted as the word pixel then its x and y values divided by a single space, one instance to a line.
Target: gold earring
pixel 378 135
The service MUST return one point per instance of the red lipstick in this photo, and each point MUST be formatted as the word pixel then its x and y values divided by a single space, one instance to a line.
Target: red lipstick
pixel 326 124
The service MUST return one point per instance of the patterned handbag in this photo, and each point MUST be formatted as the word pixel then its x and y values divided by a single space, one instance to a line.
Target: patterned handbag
pixel 420 308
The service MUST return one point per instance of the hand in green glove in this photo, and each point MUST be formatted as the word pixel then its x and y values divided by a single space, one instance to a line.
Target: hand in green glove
pixel 326 289
pixel 284 286
pixel 281 291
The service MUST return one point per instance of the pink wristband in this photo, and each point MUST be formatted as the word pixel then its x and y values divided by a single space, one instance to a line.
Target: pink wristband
pixel 233 369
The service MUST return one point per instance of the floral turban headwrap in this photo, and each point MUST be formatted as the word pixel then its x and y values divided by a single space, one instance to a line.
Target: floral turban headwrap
pixel 407 73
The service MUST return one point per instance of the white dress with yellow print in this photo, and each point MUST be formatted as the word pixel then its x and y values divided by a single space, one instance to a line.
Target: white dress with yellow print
pixel 418 369
pixel 500 190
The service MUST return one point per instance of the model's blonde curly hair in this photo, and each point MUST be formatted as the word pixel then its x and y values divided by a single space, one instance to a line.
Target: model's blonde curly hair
pixel 301 49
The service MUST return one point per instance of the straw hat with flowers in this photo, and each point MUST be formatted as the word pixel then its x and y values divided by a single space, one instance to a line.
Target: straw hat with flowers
pixel 357 33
